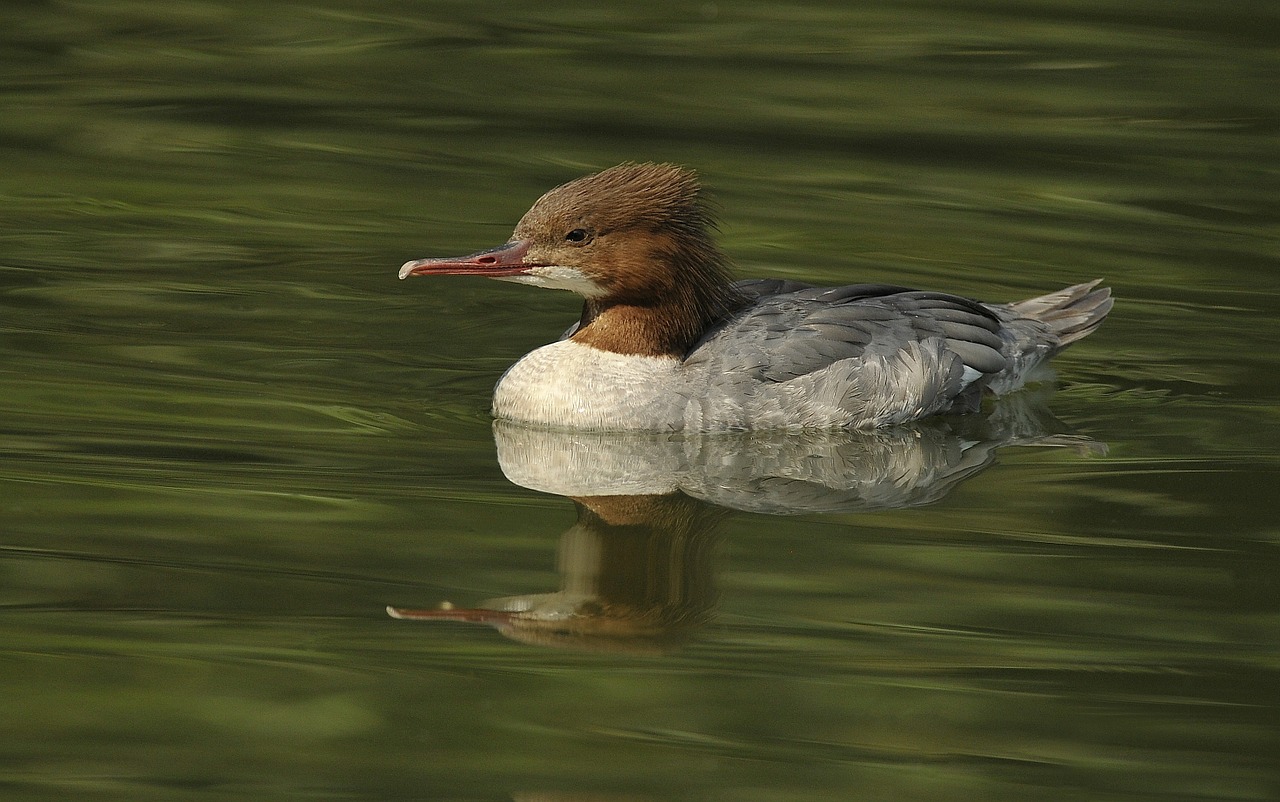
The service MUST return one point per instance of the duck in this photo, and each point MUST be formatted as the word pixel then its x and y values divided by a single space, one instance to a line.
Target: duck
pixel 668 341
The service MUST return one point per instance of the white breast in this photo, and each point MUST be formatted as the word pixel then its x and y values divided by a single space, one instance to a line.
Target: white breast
pixel 570 385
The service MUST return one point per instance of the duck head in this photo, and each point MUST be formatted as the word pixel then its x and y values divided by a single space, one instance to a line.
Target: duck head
pixel 635 241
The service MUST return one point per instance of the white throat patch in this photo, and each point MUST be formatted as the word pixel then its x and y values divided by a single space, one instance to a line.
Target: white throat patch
pixel 558 277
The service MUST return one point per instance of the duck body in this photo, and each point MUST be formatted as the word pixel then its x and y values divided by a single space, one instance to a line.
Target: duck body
pixel 860 356
pixel 666 342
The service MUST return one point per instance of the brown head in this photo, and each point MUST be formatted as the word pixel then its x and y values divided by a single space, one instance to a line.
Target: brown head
pixel 634 241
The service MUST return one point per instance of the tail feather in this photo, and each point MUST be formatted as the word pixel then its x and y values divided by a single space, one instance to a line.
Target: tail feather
pixel 1038 328
pixel 1069 314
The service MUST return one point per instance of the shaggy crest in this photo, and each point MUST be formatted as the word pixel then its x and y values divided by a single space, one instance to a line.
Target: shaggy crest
pixel 645 196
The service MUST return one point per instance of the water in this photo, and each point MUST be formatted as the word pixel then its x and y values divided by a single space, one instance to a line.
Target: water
pixel 231 438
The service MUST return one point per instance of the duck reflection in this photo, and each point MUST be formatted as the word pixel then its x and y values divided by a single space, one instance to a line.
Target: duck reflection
pixel 636 565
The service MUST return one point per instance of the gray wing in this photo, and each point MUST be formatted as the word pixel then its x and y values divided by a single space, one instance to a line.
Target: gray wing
pixel 896 354
pixel 793 333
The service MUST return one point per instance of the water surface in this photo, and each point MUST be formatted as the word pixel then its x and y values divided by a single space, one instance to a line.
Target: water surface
pixel 231 438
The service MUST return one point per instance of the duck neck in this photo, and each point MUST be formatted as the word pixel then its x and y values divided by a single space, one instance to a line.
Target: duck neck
pixel 666 322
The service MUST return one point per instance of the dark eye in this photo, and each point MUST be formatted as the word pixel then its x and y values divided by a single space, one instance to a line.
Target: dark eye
pixel 577 235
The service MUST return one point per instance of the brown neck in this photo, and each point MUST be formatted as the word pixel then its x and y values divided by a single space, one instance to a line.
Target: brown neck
pixel 665 323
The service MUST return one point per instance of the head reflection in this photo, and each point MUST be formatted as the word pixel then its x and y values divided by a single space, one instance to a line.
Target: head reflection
pixel 636 576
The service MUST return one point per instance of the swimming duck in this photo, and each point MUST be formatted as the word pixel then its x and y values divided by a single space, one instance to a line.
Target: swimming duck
pixel 668 341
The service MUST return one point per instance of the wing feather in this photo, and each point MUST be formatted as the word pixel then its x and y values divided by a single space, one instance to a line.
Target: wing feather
pixel 861 355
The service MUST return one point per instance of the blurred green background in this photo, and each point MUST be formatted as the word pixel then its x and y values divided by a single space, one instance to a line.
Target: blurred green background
pixel 229 437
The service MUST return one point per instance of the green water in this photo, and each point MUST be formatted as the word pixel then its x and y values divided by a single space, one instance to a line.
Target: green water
pixel 229 438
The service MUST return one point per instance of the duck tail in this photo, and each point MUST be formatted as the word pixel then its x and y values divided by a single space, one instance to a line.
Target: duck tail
pixel 1069 314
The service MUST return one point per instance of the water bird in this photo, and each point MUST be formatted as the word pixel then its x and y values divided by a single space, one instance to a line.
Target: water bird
pixel 667 341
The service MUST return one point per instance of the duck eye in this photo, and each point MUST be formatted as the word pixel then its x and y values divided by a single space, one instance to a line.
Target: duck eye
pixel 577 235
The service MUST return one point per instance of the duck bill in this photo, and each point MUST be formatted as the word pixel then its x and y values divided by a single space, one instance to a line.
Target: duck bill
pixel 477 615
pixel 504 260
